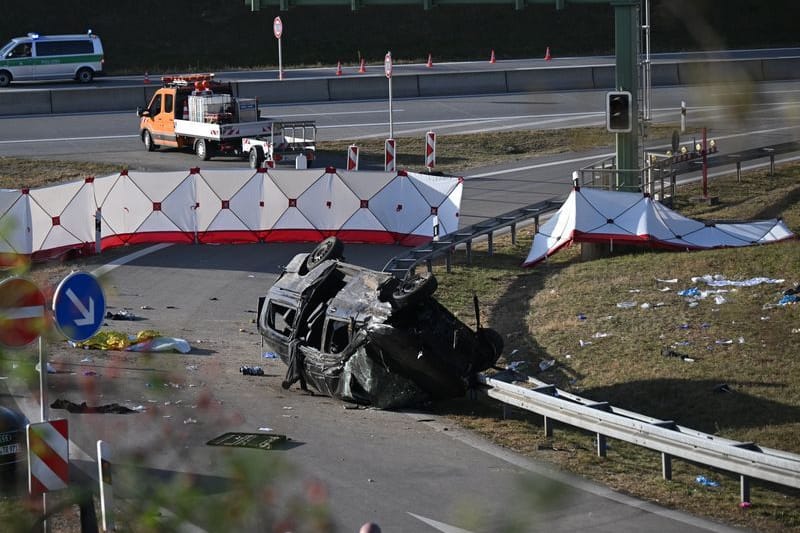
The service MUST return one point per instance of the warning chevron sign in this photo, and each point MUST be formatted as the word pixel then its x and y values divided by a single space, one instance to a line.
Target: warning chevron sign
pixel 48 456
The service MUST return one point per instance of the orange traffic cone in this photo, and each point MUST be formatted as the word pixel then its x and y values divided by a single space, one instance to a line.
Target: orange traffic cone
pixel 363 68
pixel 430 61
pixel 492 59
pixel 146 77
pixel 339 68
pixel 547 54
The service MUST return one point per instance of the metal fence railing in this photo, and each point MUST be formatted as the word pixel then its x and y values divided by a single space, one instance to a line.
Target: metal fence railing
pixel 746 459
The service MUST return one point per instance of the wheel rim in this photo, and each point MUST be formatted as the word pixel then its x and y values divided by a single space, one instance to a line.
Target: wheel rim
pixel 253 159
pixel 322 251
pixel 201 149
pixel 148 141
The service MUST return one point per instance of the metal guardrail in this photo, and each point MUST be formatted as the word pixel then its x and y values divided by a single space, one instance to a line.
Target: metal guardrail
pixel 746 459
pixel 665 170
pixel 403 265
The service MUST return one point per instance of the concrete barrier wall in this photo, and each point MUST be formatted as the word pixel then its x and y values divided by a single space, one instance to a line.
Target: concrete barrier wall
pixel 82 99
pixel 462 83
pixel 549 79
pixel 781 69
pixel 285 91
pixel 25 102
pixel 90 99
pixel 711 72
pixel 373 87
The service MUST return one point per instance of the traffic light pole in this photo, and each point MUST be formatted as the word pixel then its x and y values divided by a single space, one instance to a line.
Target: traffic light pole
pixel 626 36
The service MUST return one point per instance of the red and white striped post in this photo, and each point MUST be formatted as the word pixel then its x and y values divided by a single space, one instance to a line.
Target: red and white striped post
pixel 430 150
pixel 352 157
pixel 389 159
pixel 106 493
pixel 48 459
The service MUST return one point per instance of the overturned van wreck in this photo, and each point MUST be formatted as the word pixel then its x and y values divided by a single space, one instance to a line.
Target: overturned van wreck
pixel 367 337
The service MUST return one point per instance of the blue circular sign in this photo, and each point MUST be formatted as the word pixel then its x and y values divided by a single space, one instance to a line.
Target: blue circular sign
pixel 79 306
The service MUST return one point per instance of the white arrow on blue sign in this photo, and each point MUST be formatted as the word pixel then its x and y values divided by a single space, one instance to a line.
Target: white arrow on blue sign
pixel 79 306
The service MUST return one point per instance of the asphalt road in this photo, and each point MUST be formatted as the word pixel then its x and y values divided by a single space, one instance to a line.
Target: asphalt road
pixel 389 466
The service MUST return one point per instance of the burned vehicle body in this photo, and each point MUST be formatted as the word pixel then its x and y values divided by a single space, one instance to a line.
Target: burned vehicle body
pixel 366 337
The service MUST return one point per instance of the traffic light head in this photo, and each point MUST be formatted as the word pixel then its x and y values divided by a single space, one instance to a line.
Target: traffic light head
pixel 619 118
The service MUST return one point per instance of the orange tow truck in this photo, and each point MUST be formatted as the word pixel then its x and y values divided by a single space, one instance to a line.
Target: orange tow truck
pixel 202 114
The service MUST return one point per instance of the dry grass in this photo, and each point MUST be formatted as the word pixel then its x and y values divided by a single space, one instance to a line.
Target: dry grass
pixel 539 312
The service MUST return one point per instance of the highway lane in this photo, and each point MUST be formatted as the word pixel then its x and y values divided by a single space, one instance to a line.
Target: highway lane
pixel 737 117
pixel 404 67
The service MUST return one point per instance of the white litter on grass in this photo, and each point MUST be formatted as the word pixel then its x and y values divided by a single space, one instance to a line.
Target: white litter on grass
pixel 725 341
pixel 634 290
pixel 626 305
pixel 584 343
pixel 719 299
pixel 693 304
pixel 741 340
pixel 265 429
pixel 645 306
pixel 86 360
pixel 139 408
pixel 600 335
pixel 673 280
pixel 190 421
pixel 664 289
pixel 544 365
pixel 717 280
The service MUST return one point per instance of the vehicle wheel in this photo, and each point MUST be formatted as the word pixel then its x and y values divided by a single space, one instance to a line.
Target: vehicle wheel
pixel 201 149
pixel 85 75
pixel 415 289
pixel 256 156
pixel 147 139
pixel 491 343
pixel 5 78
pixel 330 248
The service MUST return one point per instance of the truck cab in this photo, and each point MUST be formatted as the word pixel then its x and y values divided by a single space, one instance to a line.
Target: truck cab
pixel 170 103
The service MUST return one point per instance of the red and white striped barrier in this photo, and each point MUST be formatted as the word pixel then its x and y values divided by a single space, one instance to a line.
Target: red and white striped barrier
pixel 430 149
pixel 106 493
pixel 389 159
pixel 48 456
pixel 352 157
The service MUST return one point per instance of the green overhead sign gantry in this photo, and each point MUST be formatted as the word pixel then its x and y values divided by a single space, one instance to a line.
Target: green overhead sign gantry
pixel 626 38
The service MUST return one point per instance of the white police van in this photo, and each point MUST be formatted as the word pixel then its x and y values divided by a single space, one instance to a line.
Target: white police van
pixel 48 57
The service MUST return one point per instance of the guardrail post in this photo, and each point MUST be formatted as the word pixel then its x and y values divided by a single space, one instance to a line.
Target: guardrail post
pixel 548 427
pixel 666 466
pixel 429 264
pixel 490 241
pixel 738 172
pixel 744 488
pixel 468 246
pixel 448 261
pixel 513 234
pixel 602 447
pixel 536 224
pixel 771 160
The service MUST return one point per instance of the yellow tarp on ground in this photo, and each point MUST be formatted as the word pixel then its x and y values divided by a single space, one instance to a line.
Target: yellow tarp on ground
pixel 117 340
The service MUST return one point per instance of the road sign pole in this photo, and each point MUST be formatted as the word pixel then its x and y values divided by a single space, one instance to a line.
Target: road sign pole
pixel 626 33
pixel 280 61
pixel 42 382
pixel 277 30
pixel 391 127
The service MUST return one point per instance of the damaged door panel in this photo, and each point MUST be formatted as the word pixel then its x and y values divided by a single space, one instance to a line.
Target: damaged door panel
pixel 366 337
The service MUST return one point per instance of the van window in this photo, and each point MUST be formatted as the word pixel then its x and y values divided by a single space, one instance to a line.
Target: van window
pixel 168 98
pixel 64 48
pixel 155 106
pixel 280 318
pixel 21 50
pixel 337 335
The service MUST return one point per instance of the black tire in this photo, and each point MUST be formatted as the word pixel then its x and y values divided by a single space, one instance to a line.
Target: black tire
pixel 147 139
pixel 415 289
pixel 256 157
pixel 330 248
pixel 85 75
pixel 202 148
pixel 5 78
